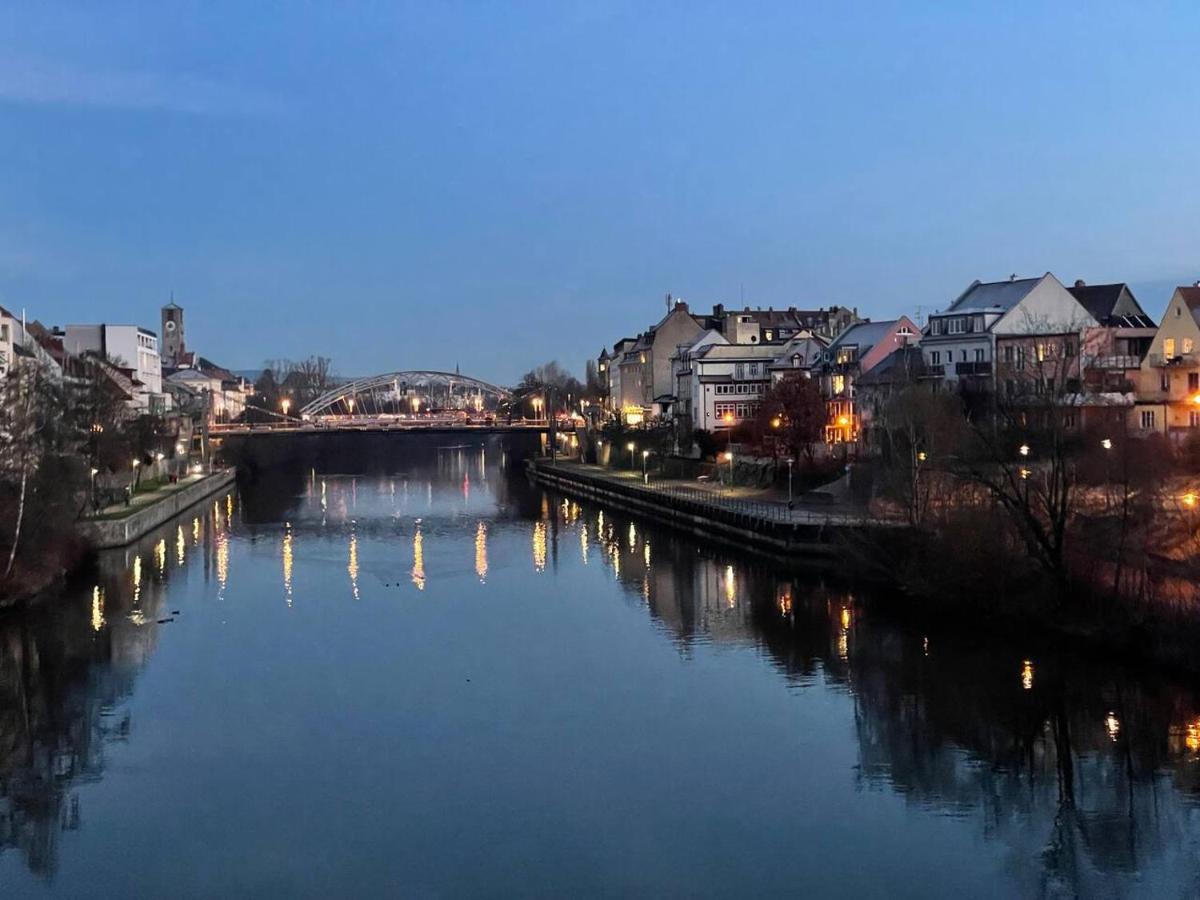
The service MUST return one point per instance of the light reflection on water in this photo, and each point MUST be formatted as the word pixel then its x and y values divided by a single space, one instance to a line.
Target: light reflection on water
pixel 657 699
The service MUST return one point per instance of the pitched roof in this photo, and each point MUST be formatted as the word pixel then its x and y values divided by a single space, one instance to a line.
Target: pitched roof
pixel 994 295
pixel 865 334
pixel 1100 300
pixel 738 351
pixel 901 365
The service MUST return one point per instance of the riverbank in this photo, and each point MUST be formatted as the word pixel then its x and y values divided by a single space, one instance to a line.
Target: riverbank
pixel 120 525
pixel 855 543
pixel 743 518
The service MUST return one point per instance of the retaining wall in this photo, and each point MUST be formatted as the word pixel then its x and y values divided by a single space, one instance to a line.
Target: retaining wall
pixel 792 541
pixel 104 533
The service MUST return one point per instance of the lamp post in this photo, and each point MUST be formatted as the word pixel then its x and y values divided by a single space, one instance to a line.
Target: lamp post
pixel 789 462
pixel 630 447
pixel 285 404
pixel 729 456
pixel 350 403
pixel 645 474
pixel 95 472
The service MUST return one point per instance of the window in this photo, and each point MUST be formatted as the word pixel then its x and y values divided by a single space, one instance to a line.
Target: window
pixel 769 335
pixel 1164 381
pixel 1194 419
pixel 753 370
pixel 839 383
pixel 936 326
pixel 935 358
pixel 739 370
pixel 1068 347
pixel 1169 347
pixel 1148 418
pixel 979 355
pixel 1188 347
pixel 957 326
pixel 1008 353
pixel 1193 382
pixel 1020 357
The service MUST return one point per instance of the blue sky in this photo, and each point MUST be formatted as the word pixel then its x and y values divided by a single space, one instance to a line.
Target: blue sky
pixel 419 185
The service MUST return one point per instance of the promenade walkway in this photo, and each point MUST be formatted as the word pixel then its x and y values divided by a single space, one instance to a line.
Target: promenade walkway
pixel 766 504
pixel 143 499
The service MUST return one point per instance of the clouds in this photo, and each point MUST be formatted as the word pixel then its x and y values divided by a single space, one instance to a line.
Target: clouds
pixel 42 81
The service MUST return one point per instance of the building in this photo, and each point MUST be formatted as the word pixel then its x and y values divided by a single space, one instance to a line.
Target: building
pixel 850 355
pixel 726 382
pixel 127 346
pixel 778 326
pixel 960 343
pixel 1113 351
pixel 804 353
pixel 224 393
pixel 1169 396
pixel 902 368
pixel 173 346
pixel 688 388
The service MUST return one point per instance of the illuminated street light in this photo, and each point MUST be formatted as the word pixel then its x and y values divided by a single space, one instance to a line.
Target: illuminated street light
pixel 776 422
pixel 285 405
pixel 630 448
pixel 729 457
pixel 1023 449
pixel 350 403
pixel 922 456
pixel 645 475
pixel 1106 444
pixel 1189 499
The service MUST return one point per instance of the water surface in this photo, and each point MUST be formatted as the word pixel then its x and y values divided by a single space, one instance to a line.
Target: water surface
pixel 423 676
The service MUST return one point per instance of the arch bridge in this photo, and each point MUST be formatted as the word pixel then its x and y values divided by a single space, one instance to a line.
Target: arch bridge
pixel 405 394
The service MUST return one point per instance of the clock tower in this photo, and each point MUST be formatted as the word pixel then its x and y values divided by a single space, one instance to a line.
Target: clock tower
pixel 172 334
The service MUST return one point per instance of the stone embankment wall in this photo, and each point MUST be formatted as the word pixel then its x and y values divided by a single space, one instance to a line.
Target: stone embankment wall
pixel 103 533
pixel 793 541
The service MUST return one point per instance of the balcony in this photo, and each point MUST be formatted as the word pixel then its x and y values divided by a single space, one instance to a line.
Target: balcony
pixel 1183 360
pixel 1116 362
pixel 972 368
pixel 935 371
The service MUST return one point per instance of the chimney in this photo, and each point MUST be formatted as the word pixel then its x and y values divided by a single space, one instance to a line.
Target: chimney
pixel 1079 282
pixel 718 310
pixel 681 306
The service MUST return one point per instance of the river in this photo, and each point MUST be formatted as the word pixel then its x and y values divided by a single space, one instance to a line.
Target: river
pixel 424 676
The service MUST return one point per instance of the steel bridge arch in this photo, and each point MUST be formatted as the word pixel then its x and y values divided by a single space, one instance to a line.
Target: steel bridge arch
pixel 338 399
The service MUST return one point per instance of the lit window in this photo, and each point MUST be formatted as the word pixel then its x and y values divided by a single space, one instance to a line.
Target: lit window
pixel 1169 347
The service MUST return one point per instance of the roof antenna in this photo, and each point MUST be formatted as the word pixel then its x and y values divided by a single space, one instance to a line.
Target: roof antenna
pixel 668 303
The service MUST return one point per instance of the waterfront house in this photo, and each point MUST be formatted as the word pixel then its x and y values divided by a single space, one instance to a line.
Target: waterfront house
pixel 903 367
pixel 727 382
pixel 778 326
pixel 1169 396
pixel 850 355
pixel 688 389
pixel 960 343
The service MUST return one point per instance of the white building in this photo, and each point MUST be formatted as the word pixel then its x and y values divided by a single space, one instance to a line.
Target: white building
pixel 959 344
pixel 725 382
pixel 130 346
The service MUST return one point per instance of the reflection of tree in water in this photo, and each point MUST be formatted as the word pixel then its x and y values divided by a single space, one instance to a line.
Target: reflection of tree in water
pixel 1075 773
pixel 64 670
pixel 1088 777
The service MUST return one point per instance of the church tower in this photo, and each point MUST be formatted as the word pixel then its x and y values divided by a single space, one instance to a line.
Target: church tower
pixel 172 334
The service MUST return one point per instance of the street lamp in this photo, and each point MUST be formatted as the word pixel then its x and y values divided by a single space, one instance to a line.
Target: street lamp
pixel 729 456
pixel 630 447
pixel 645 475
pixel 350 403
pixel 1106 444
pixel 285 404
pixel 789 462
pixel 1023 449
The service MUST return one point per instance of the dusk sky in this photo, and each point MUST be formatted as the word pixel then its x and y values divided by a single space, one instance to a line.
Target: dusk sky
pixel 494 185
